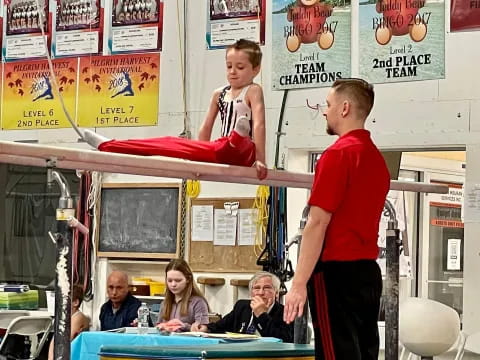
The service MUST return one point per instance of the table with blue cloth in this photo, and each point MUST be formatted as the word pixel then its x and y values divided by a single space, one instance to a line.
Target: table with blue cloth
pixel 86 346
pixel 253 350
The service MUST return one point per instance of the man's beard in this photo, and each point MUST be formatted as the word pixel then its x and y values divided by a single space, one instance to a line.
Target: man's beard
pixel 330 131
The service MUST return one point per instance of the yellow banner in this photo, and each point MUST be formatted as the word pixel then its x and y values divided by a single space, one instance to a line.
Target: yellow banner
pixel 29 98
pixel 120 90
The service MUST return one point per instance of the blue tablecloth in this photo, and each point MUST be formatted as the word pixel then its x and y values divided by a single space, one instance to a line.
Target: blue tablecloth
pixel 86 345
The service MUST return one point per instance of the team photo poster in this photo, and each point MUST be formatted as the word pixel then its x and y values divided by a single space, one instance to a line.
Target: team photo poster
pixel 136 26
pixel 311 43
pixel 78 27
pixel 402 40
pixel 230 20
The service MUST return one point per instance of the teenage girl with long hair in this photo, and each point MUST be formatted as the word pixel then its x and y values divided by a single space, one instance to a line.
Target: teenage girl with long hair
pixel 184 304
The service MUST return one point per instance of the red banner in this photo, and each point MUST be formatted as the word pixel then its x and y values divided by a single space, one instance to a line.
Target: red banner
pixel 464 15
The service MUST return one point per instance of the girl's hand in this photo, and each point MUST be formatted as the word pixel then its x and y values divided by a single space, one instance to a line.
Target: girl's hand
pixel 170 327
pixel 199 327
pixel 160 326
pixel 134 323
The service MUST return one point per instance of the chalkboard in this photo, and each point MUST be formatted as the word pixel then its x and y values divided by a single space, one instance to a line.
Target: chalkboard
pixel 139 220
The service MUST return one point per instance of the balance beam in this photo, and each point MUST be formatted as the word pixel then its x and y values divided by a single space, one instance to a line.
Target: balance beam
pixel 77 159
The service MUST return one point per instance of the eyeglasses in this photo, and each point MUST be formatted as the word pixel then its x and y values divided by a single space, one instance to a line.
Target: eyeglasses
pixel 266 288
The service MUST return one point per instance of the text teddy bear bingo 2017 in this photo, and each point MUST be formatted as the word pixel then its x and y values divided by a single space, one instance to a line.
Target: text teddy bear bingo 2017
pixel 400 17
pixel 309 24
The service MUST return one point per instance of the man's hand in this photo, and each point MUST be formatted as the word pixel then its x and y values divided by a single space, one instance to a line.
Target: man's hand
pixel 259 306
pixel 199 327
pixel 262 170
pixel 294 302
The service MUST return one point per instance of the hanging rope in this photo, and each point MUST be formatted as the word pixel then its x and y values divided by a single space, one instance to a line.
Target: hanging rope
pixel 93 198
pixel 260 204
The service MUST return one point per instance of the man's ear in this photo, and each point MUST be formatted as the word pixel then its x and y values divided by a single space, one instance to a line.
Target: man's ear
pixel 346 108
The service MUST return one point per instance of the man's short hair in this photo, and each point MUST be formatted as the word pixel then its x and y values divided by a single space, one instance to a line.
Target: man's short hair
pixel 251 48
pixel 77 293
pixel 358 91
pixel 262 274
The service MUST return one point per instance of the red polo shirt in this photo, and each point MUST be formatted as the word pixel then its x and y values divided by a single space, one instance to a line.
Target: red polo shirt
pixel 351 182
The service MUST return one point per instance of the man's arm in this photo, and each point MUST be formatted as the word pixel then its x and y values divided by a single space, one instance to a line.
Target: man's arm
pixel 132 313
pixel 227 322
pixel 101 317
pixel 310 249
pixel 205 131
pixel 257 104
pixel 274 326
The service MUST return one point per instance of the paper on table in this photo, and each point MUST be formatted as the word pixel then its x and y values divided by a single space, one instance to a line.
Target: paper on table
pixel 247 229
pixel 228 335
pixel 202 223
pixel 225 228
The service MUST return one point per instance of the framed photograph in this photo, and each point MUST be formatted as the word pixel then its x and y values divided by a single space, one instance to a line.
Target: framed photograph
pixel 78 14
pixel 135 26
pixel 134 12
pixel 23 17
pixel 139 221
pixel 226 9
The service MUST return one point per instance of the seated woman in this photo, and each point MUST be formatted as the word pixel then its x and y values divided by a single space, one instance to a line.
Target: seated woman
pixel 79 321
pixel 184 304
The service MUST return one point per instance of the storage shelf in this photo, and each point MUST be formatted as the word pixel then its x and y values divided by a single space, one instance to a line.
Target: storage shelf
pixel 147 262
pixel 149 297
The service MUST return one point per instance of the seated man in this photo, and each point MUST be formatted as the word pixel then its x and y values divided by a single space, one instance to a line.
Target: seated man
pixel 121 308
pixel 262 314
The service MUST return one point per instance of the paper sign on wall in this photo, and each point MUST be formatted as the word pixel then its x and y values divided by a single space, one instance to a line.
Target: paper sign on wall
pixel 202 222
pixel 29 100
pixel 454 254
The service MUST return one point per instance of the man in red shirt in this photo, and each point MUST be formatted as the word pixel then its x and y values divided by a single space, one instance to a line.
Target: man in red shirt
pixel 339 246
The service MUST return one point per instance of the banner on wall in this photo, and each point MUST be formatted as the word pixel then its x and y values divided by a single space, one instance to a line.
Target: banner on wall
pixel 230 20
pixel 29 100
pixel 22 37
pixel 120 90
pixel 402 40
pixel 311 43
pixel 136 26
pixel 77 27
pixel 1 22
pixel 464 15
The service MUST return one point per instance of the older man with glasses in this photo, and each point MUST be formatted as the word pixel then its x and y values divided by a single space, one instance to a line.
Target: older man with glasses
pixel 262 314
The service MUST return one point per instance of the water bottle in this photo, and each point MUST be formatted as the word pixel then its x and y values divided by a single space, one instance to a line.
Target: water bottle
pixel 143 313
